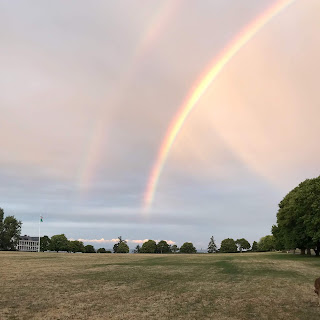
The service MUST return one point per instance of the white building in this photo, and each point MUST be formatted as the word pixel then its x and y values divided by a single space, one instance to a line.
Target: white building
pixel 30 244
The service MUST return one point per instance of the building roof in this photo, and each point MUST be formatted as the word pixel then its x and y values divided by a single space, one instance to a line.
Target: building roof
pixel 25 237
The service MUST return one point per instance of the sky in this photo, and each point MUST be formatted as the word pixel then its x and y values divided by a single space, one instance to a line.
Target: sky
pixel 89 91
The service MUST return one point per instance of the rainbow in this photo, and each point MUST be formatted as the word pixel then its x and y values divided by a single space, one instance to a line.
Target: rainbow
pixel 200 88
pixel 162 17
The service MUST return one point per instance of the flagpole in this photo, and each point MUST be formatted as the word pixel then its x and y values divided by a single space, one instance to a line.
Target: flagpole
pixel 39 234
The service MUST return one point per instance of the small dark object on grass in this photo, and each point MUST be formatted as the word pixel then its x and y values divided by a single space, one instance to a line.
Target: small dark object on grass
pixel 317 288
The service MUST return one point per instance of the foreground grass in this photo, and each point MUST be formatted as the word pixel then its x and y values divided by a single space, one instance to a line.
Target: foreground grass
pixel 109 286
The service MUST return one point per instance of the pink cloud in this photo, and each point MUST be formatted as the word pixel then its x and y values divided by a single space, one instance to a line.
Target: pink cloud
pixel 102 240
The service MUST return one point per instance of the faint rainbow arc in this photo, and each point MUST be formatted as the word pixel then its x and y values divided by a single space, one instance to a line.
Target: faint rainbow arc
pixel 93 149
pixel 200 88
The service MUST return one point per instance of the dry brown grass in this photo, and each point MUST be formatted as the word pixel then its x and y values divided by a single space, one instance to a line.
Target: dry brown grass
pixel 109 286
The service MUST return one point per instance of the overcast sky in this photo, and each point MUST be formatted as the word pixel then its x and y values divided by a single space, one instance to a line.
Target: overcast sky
pixel 89 89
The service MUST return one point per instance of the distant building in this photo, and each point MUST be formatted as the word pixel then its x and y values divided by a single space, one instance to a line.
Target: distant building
pixel 29 244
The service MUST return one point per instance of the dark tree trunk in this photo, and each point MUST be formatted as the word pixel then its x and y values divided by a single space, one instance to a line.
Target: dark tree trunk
pixel 309 252
pixel 303 251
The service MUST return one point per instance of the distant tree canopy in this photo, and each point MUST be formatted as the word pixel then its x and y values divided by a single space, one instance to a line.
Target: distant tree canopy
pixel 266 243
pixel 137 249
pixel 115 247
pixel 149 246
pixel 212 248
pixel 188 247
pixel 76 246
pixel 123 247
pixel 254 246
pixel 89 249
pixel 174 248
pixel 44 243
pixel 101 250
pixel 243 244
pixel 228 245
pixel 10 229
pixel 298 218
pixel 163 247
pixel 58 243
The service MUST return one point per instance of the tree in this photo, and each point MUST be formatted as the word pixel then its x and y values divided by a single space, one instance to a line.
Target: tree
pixel 243 244
pixel 298 218
pixel 149 246
pixel 137 249
pixel 123 247
pixel 89 249
pixel 115 247
pixel 101 250
pixel 59 242
pixel 163 247
pixel 212 248
pixel 76 246
pixel 228 245
pixel 266 243
pixel 254 246
pixel 188 247
pixel 10 230
pixel 44 243
pixel 174 248
pixel 279 240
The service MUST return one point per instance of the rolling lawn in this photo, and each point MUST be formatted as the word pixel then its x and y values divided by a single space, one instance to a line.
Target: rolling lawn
pixel 141 286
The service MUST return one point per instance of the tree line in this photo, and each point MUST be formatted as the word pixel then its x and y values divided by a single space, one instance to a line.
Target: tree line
pixel 61 243
pixel 230 245
pixel 10 229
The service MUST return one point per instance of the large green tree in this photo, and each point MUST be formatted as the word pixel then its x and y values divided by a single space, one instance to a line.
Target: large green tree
pixel 243 244
pixel 149 246
pixel 188 247
pixel 228 245
pixel 59 242
pixel 162 247
pixel 212 247
pixel 298 218
pixel 10 230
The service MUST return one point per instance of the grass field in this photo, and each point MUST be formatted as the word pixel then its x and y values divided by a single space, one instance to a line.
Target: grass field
pixel 109 286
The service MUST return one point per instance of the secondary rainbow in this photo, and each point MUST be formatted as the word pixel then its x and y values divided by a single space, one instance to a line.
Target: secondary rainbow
pixel 162 17
pixel 200 88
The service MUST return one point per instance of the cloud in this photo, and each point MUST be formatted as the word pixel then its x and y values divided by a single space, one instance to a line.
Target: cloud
pixel 97 240
pixel 102 240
